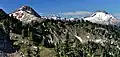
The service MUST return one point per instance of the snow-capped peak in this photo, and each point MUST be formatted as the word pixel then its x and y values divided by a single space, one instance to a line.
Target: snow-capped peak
pixel 102 11
pixel 101 17
pixel 27 9
pixel 25 14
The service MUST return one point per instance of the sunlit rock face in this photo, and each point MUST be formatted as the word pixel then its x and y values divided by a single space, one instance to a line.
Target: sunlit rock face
pixel 25 14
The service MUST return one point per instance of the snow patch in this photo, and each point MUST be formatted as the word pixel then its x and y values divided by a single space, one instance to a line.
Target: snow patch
pixel 79 38
pixel 88 36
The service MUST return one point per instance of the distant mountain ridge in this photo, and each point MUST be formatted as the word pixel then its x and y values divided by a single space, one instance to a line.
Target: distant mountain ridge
pixel 26 14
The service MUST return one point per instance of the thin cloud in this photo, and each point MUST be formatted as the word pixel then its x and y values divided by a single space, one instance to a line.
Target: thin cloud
pixel 41 14
pixel 77 13
pixel 117 15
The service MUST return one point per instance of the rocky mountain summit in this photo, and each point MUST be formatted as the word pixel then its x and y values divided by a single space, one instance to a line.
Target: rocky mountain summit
pixel 25 14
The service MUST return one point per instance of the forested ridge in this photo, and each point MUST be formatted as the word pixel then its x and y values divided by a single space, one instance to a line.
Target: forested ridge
pixel 58 37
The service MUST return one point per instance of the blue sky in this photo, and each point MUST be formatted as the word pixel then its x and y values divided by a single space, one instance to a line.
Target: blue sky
pixel 76 7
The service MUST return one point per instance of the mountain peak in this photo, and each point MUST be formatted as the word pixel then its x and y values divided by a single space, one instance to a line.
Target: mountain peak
pixel 25 14
pixel 102 17
pixel 103 11
pixel 25 8
pixel 28 10
pixel 1 10
pixel 2 14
